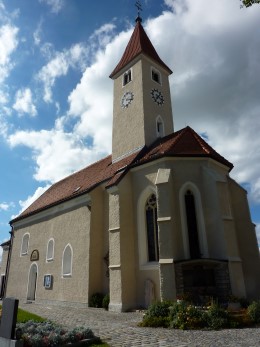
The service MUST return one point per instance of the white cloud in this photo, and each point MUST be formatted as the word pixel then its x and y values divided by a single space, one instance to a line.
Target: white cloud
pixel 55 152
pixel 24 103
pixel 26 203
pixel 55 5
pixel 215 88
pixel 59 66
pixel 8 44
pixel 4 206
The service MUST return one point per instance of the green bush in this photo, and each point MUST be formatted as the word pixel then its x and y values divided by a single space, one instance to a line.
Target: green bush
pixel 184 316
pixel 159 309
pixel 105 302
pixel 217 317
pixel 96 300
pixel 253 311
pixel 155 322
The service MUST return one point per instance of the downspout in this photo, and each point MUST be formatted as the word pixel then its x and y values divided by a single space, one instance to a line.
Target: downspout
pixel 8 261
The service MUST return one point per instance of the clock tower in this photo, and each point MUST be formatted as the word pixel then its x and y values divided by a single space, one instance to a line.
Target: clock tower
pixel 142 109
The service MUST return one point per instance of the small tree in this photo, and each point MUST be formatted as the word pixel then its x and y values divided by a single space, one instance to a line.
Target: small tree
pixel 248 3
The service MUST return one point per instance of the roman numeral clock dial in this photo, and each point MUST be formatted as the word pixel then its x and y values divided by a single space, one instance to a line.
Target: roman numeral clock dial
pixel 157 97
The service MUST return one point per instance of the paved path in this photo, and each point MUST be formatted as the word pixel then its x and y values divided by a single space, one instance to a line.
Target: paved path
pixel 120 329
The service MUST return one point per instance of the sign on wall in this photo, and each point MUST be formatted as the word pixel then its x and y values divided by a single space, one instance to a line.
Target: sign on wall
pixel 48 281
pixel 34 255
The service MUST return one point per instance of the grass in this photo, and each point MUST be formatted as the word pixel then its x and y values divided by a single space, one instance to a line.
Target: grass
pixel 24 316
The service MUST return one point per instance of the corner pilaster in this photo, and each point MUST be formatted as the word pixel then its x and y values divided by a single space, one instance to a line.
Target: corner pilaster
pixel 165 229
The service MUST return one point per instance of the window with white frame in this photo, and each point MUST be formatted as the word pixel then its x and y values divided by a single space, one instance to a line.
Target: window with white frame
pixel 67 261
pixel 127 77
pixel 152 228
pixel 159 127
pixel 50 250
pixel 156 76
pixel 193 224
pixel 25 244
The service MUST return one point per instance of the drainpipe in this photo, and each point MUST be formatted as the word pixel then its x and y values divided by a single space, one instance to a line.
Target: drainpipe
pixel 8 261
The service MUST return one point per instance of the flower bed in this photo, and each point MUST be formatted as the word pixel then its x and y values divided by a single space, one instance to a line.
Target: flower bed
pixel 48 334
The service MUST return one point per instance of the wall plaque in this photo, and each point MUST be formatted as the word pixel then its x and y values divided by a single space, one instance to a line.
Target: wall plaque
pixel 48 281
pixel 34 255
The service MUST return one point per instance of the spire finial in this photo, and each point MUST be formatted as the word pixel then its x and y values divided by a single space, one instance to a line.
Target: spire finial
pixel 139 9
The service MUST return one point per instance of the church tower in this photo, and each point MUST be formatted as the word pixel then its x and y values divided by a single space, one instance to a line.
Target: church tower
pixel 142 109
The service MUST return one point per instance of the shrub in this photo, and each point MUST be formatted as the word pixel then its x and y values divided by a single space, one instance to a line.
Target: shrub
pixel 184 316
pixel 253 311
pixel 155 322
pixel 217 317
pixel 96 300
pixel 159 309
pixel 49 334
pixel 105 302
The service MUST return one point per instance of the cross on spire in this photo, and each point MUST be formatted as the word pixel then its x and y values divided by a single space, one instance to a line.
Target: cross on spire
pixel 139 9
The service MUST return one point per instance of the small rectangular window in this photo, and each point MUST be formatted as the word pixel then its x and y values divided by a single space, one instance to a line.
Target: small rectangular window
pixel 127 77
pixel 156 76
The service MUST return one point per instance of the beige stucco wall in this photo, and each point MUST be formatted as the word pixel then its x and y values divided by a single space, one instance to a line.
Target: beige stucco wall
pixel 135 126
pixel 114 220
pixel 65 227
pixel 247 241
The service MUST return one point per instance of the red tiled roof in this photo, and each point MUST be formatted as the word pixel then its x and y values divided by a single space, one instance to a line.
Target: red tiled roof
pixel 77 184
pixel 139 43
pixel 183 143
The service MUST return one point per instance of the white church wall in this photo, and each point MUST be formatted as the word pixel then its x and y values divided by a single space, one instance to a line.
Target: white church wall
pixel 71 228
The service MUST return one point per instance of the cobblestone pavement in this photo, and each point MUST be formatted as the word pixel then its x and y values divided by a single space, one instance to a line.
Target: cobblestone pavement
pixel 120 329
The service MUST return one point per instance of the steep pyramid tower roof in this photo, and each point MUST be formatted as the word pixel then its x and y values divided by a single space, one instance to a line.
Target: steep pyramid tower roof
pixel 139 44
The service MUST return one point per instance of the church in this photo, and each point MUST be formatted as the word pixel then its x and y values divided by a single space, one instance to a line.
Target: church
pixel 157 219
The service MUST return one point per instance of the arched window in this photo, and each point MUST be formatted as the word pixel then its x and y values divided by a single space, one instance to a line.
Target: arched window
pixel 152 228
pixel 192 225
pixel 50 250
pixel 192 220
pixel 25 244
pixel 67 261
pixel 159 127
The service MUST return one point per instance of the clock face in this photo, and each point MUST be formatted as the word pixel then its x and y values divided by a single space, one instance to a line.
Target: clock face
pixel 157 96
pixel 126 100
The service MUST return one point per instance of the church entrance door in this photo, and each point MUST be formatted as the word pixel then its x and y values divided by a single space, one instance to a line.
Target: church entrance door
pixel 32 282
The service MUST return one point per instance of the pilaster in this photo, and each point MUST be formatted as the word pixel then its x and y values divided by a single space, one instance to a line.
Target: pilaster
pixel 165 231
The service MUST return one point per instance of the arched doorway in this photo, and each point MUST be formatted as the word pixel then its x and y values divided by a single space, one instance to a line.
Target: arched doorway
pixel 32 282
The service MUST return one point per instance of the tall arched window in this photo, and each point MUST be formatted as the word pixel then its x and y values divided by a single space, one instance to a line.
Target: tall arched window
pixel 192 225
pixel 152 228
pixel 25 244
pixel 50 250
pixel 67 261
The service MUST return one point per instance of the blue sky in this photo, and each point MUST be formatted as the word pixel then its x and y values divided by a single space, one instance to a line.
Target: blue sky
pixel 56 97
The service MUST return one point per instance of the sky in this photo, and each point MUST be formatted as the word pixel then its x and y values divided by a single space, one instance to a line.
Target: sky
pixel 56 96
